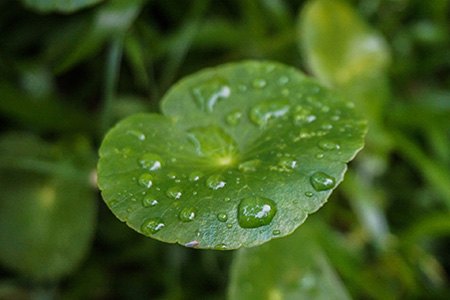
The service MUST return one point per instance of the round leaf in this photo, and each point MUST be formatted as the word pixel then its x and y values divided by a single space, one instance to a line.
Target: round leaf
pixel 243 153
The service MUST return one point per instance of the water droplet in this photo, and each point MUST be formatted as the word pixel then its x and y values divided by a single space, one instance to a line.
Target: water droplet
pixel 256 212
pixel 151 161
pixel 174 192
pixel 309 194
pixel 328 145
pixel 137 134
pixel 276 232
pixel 187 214
pixel 234 118
pixel 113 202
pixel 221 246
pixel 208 94
pixel 195 176
pixel 172 175
pixel 215 182
pixel 261 113
pixel 249 166
pixel 322 182
pixel 149 201
pixel 287 164
pixel 152 226
pixel 302 115
pixel 259 83
pixel 145 180
pixel 319 155
pixel 222 217
pixel 192 244
pixel 283 80
pixel 229 225
pixel 227 199
pixel 215 143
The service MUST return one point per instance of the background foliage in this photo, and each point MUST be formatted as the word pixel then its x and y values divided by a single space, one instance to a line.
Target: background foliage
pixel 68 72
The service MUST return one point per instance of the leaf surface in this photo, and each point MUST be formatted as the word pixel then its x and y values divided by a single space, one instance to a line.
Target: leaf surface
pixel 242 154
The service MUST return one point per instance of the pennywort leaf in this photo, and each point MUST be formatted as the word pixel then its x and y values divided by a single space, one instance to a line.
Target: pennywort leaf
pixel 241 154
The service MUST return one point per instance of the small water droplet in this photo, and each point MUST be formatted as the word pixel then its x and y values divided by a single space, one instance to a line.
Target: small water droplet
pixel 322 182
pixel 172 175
pixel 229 225
pixel 220 246
pixel 215 182
pixel 222 217
pixel 146 180
pixel 234 118
pixel 259 83
pixel 328 145
pixel 227 199
pixel 195 176
pixel 287 164
pixel 192 244
pixel 256 212
pixel 283 80
pixel 187 214
pixel 261 113
pixel 276 232
pixel 138 134
pixel 113 202
pixel 320 155
pixel 208 94
pixel 148 201
pixel 249 166
pixel 152 226
pixel 174 192
pixel 309 194
pixel 151 161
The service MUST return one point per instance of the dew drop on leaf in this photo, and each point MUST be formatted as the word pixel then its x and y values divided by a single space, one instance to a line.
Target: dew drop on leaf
pixel 234 118
pixel 215 182
pixel 151 161
pixel 187 214
pixel 259 83
pixel 208 94
pixel 152 226
pixel 256 212
pixel 148 201
pixel 222 217
pixel 276 232
pixel 309 194
pixel 145 180
pixel 328 145
pixel 195 176
pixel 174 192
pixel 322 182
pixel 261 113
pixel 249 166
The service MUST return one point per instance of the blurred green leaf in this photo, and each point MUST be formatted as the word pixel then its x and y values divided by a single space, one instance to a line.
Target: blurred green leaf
pixel 338 45
pixel 243 153
pixel 47 211
pixel 64 6
pixel 290 268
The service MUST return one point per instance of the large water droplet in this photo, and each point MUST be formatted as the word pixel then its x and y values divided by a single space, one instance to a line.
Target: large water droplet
pixel 234 118
pixel 187 214
pixel 328 145
pixel 249 166
pixel 152 226
pixel 261 113
pixel 322 182
pixel 195 176
pixel 215 182
pixel 145 180
pixel 209 93
pixel 174 192
pixel 255 212
pixel 149 201
pixel 215 143
pixel 222 217
pixel 151 161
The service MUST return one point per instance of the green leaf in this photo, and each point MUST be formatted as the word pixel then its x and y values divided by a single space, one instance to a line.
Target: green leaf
pixel 339 46
pixel 64 6
pixel 47 209
pixel 290 268
pixel 243 153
